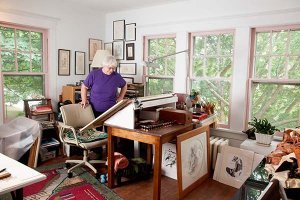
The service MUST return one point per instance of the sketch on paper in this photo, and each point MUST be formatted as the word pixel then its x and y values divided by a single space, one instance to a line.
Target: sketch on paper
pixel 193 159
pixel 169 162
pixel 234 166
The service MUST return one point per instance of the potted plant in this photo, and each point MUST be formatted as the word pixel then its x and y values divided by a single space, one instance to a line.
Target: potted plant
pixel 264 131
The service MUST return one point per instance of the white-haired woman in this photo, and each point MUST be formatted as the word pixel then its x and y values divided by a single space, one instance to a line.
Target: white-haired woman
pixel 103 84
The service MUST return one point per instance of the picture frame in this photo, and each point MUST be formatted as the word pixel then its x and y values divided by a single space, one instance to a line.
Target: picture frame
pixel 169 160
pixel 129 80
pixel 79 63
pixel 193 159
pixel 127 68
pixel 64 57
pixel 234 166
pixel 130 51
pixel 109 46
pixel 118 50
pixel 94 45
pixel 130 30
pixel 119 30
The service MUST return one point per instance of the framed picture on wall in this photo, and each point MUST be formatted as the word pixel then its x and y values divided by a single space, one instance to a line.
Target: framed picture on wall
pixel 118 49
pixel 109 46
pixel 130 32
pixel 94 45
pixel 119 30
pixel 130 51
pixel 79 63
pixel 127 68
pixel 64 62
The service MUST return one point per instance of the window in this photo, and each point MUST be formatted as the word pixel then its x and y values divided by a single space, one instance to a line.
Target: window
pixel 23 66
pixel 159 75
pixel 211 70
pixel 275 78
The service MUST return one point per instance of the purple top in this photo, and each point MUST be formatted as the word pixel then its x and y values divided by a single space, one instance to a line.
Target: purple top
pixel 104 89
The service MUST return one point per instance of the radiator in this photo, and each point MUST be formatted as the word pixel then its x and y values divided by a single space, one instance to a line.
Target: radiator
pixel 216 146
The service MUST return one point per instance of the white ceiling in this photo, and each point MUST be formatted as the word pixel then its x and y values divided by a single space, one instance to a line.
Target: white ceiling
pixel 118 5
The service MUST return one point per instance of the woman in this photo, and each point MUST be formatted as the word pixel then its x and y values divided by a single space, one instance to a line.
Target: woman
pixel 104 84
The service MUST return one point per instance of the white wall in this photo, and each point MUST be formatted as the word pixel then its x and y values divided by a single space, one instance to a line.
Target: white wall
pixel 69 27
pixel 195 16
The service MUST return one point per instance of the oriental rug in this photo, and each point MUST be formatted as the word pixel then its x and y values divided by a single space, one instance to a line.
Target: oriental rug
pixel 58 186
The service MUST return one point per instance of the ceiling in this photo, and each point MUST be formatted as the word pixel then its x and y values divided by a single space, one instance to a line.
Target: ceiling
pixel 119 5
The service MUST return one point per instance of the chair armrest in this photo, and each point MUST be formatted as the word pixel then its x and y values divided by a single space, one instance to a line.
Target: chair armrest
pixel 63 127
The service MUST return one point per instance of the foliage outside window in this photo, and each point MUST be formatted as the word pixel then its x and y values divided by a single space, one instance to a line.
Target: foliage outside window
pixel 22 68
pixel 275 81
pixel 211 70
pixel 159 76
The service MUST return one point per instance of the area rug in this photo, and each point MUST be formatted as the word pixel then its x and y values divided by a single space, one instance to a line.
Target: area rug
pixel 58 186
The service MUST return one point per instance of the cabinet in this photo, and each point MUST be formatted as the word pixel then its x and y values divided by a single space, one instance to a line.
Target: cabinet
pixel 71 93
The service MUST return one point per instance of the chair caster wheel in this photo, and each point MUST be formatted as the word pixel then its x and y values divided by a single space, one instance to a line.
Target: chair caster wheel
pixel 70 175
pixel 68 165
pixel 97 175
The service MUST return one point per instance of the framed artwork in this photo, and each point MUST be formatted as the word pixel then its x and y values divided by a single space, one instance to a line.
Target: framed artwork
pixel 127 68
pixel 79 63
pixel 109 47
pixel 192 159
pixel 119 30
pixel 234 166
pixel 129 80
pixel 130 32
pixel 94 45
pixel 64 62
pixel 130 51
pixel 169 160
pixel 118 49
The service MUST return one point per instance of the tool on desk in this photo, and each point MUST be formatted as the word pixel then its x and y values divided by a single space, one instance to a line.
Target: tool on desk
pixel 4 174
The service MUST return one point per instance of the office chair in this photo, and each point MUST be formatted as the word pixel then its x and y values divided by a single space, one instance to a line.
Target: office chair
pixel 75 117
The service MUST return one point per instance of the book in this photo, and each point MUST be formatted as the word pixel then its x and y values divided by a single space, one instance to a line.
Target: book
pixel 42 108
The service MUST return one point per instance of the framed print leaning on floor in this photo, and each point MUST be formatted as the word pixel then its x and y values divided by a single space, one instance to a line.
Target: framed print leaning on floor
pixel 64 62
pixel 193 159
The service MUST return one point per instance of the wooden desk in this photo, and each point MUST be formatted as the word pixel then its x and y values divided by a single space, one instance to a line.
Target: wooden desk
pixel 155 137
pixel 21 176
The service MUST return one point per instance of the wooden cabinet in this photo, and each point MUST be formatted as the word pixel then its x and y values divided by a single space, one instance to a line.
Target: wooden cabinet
pixel 71 93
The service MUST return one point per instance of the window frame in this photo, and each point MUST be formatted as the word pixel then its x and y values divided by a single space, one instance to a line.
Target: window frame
pixel 146 76
pixel 254 80
pixel 192 78
pixel 45 70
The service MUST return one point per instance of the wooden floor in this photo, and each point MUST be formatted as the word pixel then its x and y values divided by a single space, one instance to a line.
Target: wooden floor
pixel 142 190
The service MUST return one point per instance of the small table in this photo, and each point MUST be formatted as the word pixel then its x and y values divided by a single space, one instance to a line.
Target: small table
pixel 252 145
pixel 21 176
pixel 156 137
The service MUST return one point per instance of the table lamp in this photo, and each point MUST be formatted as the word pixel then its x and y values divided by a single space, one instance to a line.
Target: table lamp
pixel 99 57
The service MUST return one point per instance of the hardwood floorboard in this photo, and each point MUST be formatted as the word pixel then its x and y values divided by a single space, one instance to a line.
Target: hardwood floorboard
pixel 142 190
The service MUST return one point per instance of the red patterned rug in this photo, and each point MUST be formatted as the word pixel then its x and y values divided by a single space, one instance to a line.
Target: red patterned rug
pixel 58 186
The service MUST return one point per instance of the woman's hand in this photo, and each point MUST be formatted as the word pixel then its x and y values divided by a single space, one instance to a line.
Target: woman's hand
pixel 84 104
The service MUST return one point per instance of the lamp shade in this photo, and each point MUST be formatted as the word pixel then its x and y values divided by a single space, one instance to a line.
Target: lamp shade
pixel 99 57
